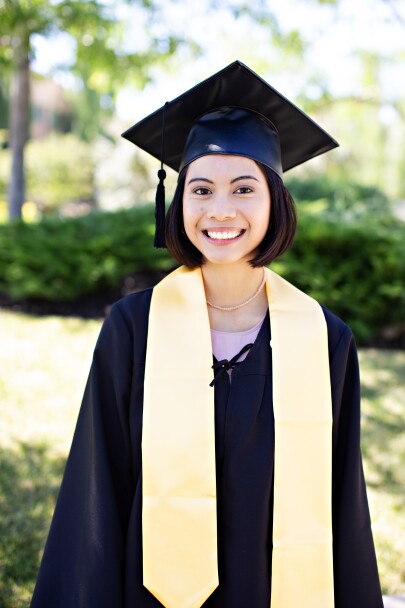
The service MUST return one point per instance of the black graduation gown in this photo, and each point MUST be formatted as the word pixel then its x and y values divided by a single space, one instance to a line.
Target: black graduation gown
pixel 93 555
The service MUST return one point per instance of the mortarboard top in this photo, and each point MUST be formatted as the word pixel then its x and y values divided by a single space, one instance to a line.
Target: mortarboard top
pixel 233 112
pixel 235 86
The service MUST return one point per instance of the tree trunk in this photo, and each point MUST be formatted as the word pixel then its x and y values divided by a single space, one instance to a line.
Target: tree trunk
pixel 19 125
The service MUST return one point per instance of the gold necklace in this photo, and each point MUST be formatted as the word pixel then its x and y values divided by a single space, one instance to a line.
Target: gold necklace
pixel 253 297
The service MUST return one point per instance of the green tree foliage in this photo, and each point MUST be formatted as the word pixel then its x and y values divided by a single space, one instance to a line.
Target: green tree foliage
pixel 59 170
pixel 369 122
pixel 101 63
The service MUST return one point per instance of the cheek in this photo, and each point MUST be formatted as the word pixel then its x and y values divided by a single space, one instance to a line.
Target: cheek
pixel 192 213
pixel 190 218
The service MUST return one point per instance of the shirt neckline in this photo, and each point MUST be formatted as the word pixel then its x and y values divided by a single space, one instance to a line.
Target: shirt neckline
pixel 240 333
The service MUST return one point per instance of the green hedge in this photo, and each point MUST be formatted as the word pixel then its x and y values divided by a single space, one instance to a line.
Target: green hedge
pixel 356 268
pixel 339 196
pixel 64 259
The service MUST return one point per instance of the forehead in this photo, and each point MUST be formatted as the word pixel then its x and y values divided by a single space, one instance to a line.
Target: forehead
pixel 221 164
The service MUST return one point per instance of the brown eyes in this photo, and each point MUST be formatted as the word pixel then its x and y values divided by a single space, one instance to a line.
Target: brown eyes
pixel 202 191
pixel 244 190
pixel 206 191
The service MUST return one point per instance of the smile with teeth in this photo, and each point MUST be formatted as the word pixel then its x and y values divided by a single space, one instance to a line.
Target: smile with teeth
pixel 223 236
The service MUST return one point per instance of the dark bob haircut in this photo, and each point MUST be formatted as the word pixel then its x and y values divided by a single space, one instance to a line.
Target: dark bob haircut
pixel 279 236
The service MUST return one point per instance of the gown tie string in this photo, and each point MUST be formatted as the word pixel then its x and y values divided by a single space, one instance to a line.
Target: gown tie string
pixel 224 365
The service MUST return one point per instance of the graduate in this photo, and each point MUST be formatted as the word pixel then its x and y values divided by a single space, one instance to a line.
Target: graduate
pixel 216 461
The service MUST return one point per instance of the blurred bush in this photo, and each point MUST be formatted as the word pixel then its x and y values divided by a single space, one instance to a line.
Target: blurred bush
pixel 356 268
pixel 338 196
pixel 63 259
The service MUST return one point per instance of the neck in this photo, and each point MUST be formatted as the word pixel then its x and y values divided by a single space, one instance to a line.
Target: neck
pixel 230 285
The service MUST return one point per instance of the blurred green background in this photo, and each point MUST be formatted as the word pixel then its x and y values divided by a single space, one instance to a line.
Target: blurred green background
pixel 76 220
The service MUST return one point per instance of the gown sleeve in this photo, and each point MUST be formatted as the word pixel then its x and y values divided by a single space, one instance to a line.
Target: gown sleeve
pixel 82 566
pixel 355 566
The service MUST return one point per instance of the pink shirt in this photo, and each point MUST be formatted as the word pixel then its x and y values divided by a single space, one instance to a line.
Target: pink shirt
pixel 225 344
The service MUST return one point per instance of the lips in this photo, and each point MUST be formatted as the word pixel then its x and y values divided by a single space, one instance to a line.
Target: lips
pixel 223 235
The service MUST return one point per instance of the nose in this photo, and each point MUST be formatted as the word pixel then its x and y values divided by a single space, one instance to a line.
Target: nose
pixel 221 208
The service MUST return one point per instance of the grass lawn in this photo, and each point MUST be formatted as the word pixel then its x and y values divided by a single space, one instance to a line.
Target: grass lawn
pixel 383 447
pixel 43 368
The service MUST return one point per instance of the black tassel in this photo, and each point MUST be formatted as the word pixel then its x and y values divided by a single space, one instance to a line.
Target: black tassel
pixel 160 207
pixel 160 211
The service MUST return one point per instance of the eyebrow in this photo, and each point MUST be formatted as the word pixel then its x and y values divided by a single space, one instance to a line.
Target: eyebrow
pixel 208 181
pixel 200 179
pixel 244 177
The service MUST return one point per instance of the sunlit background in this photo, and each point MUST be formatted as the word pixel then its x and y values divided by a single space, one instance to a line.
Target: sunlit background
pixel 340 60
pixel 76 223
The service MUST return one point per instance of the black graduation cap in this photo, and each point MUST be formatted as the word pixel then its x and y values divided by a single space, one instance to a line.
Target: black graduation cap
pixel 232 112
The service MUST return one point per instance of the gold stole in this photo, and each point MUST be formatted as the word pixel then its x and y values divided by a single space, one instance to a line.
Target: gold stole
pixel 178 448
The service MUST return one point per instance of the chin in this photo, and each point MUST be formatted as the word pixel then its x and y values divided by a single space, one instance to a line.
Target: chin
pixel 224 260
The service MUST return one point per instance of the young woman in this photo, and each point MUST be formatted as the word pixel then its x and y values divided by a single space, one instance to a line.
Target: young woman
pixel 216 460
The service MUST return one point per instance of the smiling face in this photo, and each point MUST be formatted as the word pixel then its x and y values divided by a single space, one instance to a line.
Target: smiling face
pixel 226 207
